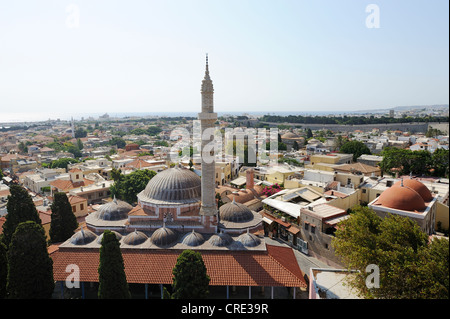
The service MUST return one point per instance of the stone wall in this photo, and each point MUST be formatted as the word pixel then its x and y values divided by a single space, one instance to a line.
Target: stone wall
pixel 405 127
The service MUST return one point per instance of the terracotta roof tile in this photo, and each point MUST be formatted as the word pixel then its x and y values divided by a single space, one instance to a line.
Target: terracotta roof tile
pixel 275 267
pixel 66 185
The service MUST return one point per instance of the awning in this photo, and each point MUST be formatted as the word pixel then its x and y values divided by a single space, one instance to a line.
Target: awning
pixel 286 207
pixel 267 220
pixel 241 180
pixel 334 221
pixel 293 230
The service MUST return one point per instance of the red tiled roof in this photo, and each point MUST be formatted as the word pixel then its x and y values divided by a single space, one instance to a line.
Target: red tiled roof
pixel 275 267
pixel 65 185
pixel 73 199
pixel 46 217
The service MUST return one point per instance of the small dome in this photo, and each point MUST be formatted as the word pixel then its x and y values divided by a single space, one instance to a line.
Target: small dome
pixel 83 237
pixel 401 197
pixel 220 240
pixel 135 238
pixel 118 236
pixel 249 240
pixel 164 236
pixel 175 184
pixel 114 210
pixel 235 212
pixel 419 187
pixel 313 141
pixel 193 239
pixel 289 135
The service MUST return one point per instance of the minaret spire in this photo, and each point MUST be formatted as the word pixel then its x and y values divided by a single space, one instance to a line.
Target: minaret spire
pixel 207 119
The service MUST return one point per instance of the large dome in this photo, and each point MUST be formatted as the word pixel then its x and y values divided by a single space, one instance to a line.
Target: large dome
pixel 401 197
pixel 173 185
pixel 114 210
pixel 419 187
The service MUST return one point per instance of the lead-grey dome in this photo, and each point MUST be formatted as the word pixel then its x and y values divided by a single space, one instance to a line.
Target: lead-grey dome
pixel 114 210
pixel 118 236
pixel 220 240
pixel 193 239
pixel 83 237
pixel 235 212
pixel 173 185
pixel 135 238
pixel 163 236
pixel 249 240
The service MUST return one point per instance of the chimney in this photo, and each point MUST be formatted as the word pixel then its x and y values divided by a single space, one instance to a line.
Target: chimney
pixel 250 179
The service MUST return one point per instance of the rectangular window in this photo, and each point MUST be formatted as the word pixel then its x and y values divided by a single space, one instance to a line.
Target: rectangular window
pixel 81 206
pixel 74 208
pixel 313 229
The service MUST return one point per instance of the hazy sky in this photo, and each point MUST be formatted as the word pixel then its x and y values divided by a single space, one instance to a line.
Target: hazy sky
pixel 278 55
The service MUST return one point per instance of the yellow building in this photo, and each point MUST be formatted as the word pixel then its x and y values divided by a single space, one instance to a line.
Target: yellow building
pixel 442 215
pixel 326 162
pixel 79 205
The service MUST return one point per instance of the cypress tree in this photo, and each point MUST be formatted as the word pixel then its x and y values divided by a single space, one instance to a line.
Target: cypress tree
pixel 112 279
pixel 63 223
pixel 3 270
pixel 190 279
pixel 30 273
pixel 20 209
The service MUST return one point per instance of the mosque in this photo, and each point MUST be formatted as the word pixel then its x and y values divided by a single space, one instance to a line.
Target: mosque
pixel 176 211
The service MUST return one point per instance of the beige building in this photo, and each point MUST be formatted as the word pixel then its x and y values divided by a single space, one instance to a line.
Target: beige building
pixel 327 162
pixel 409 198
pixel 79 205
pixel 318 224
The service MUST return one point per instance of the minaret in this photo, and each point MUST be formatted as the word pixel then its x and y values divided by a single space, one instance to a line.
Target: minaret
pixel 73 128
pixel 207 119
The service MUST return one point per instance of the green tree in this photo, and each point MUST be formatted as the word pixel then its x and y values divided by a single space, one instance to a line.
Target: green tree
pixel 63 162
pixel 30 271
pixel 126 187
pixel 339 140
pixel 63 221
pixel 79 144
pixel 394 158
pixel 116 174
pixel 190 280
pixel 118 142
pixel 410 266
pixel 23 147
pixel 309 133
pixel 419 162
pixel 20 208
pixel 80 132
pixel 3 270
pixel 356 148
pixel 440 162
pixel 112 279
